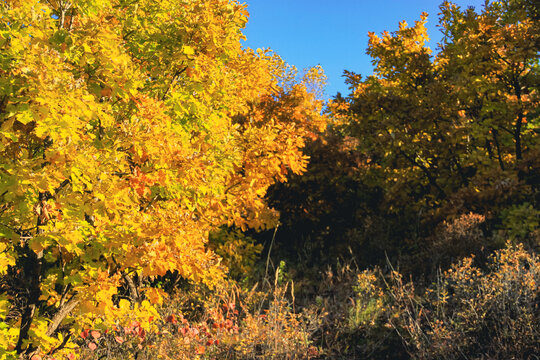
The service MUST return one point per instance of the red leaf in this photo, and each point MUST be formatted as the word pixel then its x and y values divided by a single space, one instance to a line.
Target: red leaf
pixel 92 346
pixel 135 323
pixel 95 334
pixel 119 339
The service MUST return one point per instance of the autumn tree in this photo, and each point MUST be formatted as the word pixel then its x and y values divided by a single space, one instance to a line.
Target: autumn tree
pixel 129 131
pixel 456 131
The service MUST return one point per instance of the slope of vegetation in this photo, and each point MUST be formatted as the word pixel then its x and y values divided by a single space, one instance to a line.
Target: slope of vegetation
pixel 167 194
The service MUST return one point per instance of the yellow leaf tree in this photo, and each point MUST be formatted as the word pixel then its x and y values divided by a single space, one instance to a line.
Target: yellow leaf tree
pixel 128 131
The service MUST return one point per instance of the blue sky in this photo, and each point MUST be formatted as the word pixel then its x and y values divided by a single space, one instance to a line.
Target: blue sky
pixel 334 33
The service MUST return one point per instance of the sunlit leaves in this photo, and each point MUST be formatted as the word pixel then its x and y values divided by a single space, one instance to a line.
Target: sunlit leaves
pixel 129 130
pixel 467 115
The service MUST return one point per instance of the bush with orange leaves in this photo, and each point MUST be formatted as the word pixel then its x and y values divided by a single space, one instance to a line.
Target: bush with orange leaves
pixel 223 323
pixel 471 312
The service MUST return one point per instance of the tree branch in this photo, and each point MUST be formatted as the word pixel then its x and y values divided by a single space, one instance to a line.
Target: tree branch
pixel 61 315
pixel 430 177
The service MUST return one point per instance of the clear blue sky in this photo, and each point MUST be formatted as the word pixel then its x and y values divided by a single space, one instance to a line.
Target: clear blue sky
pixel 334 33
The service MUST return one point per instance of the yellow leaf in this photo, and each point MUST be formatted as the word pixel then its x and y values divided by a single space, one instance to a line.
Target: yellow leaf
pixel 188 50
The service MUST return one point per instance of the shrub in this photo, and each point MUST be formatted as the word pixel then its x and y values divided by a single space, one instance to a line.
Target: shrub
pixel 473 313
pixel 223 323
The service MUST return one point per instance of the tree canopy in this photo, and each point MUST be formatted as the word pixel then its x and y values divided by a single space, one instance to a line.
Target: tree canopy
pixel 457 128
pixel 129 130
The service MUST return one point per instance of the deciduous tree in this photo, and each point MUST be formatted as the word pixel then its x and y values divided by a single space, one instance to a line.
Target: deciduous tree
pixel 129 130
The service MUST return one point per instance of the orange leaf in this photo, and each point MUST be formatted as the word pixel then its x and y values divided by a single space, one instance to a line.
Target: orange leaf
pixel 200 350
